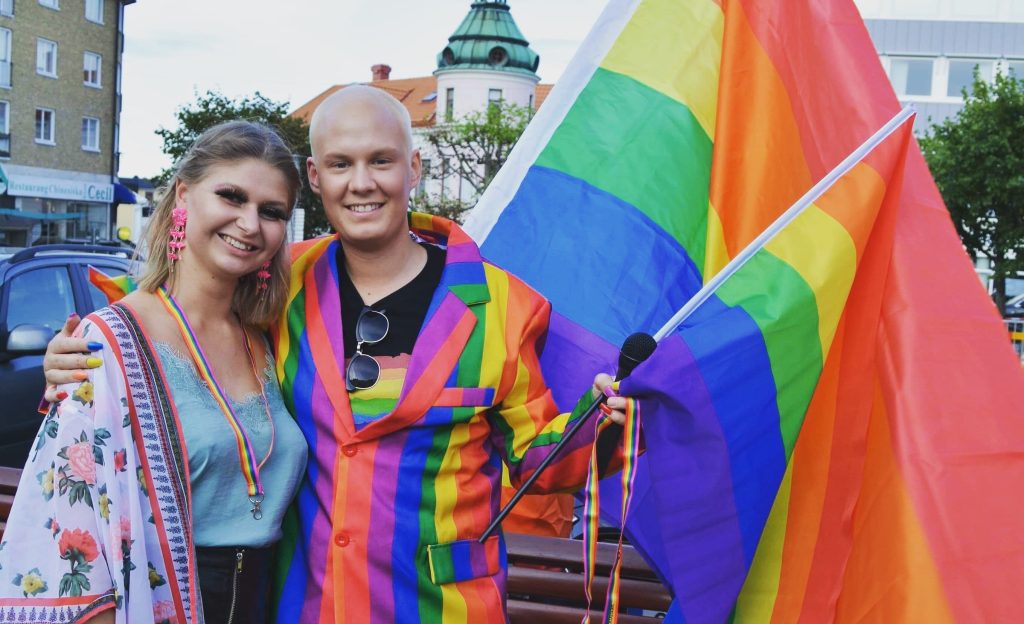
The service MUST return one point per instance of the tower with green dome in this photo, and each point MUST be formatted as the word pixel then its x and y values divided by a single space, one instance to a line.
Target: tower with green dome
pixel 487 58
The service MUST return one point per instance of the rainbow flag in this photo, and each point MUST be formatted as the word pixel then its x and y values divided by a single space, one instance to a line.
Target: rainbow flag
pixel 113 287
pixel 835 436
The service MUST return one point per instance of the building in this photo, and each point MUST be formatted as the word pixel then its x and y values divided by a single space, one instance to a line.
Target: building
pixel 60 104
pixel 930 48
pixel 486 59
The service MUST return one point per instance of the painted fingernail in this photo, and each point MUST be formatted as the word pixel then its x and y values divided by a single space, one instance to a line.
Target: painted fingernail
pixel 62 395
pixel 73 315
pixel 605 409
pixel 79 375
pixel 93 362
pixel 94 346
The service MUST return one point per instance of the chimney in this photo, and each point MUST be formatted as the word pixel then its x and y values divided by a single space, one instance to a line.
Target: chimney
pixel 381 71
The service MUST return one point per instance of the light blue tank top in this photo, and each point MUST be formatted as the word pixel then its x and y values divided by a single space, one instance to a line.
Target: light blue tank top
pixel 221 513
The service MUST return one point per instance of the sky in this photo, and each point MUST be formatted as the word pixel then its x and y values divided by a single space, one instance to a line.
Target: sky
pixel 291 51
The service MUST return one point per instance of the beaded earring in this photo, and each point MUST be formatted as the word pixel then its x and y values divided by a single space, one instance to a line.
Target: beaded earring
pixel 263 277
pixel 177 240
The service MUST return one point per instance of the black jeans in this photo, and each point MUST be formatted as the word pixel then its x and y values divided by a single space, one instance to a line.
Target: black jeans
pixel 235 583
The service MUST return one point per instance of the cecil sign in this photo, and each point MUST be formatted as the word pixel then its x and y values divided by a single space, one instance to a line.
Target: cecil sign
pixel 50 188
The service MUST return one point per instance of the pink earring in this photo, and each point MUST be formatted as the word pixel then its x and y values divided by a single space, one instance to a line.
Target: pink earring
pixel 263 277
pixel 177 241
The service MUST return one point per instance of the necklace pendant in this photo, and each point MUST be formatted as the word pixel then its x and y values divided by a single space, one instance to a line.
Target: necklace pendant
pixel 257 511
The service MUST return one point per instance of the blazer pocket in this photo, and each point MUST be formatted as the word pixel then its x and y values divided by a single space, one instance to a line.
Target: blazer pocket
pixel 463 560
pixel 465 397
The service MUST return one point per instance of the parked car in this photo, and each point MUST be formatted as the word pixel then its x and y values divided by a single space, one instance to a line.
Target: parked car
pixel 39 288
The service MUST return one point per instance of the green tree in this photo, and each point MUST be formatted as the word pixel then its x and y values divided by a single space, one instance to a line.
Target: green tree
pixel 212 108
pixel 977 159
pixel 473 147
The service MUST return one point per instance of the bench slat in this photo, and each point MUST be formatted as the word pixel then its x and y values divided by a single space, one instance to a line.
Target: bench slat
pixel 568 553
pixel 526 612
pixel 569 586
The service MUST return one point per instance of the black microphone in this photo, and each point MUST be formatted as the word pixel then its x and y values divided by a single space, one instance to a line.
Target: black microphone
pixel 637 348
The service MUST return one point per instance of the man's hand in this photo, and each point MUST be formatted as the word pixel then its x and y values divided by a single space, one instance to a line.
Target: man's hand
pixel 614 408
pixel 68 358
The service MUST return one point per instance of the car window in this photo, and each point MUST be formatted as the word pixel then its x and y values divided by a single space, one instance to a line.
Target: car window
pixel 41 296
pixel 99 300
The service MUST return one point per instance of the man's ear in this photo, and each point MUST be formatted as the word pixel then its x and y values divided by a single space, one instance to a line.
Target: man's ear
pixel 416 164
pixel 314 177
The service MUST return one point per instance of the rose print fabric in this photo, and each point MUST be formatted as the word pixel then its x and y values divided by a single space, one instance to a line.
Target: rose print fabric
pixel 100 520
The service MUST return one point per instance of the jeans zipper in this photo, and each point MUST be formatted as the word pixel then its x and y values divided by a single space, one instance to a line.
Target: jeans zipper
pixel 234 586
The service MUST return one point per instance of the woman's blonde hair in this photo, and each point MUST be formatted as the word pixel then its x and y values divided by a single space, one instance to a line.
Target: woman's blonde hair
pixel 227 142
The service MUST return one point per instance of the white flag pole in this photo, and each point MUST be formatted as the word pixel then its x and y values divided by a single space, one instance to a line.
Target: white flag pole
pixel 785 219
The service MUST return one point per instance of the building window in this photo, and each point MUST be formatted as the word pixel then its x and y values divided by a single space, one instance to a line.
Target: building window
pixel 46 57
pixel 529 104
pixel 5 129
pixel 7 7
pixel 493 99
pixel 449 103
pixel 44 126
pixel 50 4
pixel 94 11
pixel 90 134
pixel 1015 69
pixel 91 65
pixel 911 76
pixel 5 57
pixel 961 74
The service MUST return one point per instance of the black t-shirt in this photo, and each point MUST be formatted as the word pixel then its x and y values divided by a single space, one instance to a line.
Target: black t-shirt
pixel 406 308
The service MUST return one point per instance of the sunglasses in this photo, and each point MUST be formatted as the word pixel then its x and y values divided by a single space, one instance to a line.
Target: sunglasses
pixel 363 371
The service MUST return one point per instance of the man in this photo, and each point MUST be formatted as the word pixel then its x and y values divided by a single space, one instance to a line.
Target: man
pixel 411 366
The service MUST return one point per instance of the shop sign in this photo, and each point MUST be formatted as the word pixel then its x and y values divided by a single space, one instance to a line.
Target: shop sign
pixel 52 188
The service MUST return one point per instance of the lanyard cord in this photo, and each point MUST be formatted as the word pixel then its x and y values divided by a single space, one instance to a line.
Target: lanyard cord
pixel 246 456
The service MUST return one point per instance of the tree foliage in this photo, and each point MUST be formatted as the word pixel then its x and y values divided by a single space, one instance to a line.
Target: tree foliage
pixel 474 147
pixel 212 108
pixel 977 159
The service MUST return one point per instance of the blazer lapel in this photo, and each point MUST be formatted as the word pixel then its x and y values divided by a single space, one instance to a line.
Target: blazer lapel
pixel 325 337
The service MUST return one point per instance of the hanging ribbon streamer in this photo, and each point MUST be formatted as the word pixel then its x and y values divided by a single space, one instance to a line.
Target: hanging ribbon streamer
pixel 591 511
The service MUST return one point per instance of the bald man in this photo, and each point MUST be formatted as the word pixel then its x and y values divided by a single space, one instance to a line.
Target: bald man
pixel 411 366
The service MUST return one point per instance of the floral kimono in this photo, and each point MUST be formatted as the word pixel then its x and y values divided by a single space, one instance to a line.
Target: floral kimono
pixel 102 519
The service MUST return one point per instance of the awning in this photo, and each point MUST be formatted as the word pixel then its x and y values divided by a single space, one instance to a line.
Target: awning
pixel 124 195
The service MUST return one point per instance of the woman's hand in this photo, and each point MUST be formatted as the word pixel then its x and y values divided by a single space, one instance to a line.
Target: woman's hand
pixel 614 408
pixel 67 358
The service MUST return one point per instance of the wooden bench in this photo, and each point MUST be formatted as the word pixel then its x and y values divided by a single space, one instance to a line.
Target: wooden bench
pixel 545 582
pixel 9 478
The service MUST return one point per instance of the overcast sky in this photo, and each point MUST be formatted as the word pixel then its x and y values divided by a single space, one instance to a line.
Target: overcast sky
pixel 291 51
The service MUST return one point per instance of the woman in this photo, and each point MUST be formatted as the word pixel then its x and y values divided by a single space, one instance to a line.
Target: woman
pixel 157 486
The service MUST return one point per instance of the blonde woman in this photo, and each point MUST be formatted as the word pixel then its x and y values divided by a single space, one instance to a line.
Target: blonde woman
pixel 157 486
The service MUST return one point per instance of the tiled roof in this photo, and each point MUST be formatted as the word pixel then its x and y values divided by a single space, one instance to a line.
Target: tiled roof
pixel 415 93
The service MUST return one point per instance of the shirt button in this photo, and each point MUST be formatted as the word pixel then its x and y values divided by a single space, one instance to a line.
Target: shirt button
pixel 341 539
pixel 349 451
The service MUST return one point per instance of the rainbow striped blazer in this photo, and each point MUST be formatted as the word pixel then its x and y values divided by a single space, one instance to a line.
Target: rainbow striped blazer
pixel 386 520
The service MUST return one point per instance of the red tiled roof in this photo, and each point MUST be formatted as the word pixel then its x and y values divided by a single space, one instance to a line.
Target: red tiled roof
pixel 408 91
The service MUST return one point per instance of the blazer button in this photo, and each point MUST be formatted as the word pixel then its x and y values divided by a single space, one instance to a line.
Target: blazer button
pixel 341 539
pixel 349 451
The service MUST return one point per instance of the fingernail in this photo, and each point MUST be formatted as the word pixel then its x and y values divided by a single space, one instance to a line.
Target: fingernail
pixel 94 346
pixel 605 409
pixel 62 395
pixel 72 315
pixel 79 375
pixel 94 362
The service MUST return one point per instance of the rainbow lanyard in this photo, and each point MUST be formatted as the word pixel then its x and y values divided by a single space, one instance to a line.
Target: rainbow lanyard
pixel 631 449
pixel 250 468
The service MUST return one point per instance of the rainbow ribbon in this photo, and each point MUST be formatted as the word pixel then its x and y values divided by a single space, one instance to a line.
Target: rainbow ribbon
pixel 631 450
pixel 246 456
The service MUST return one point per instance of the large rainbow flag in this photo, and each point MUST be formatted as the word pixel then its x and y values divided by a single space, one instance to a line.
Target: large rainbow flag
pixel 837 434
